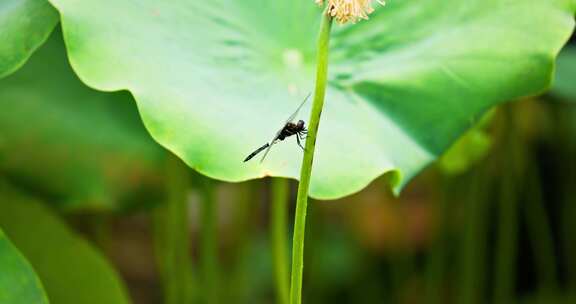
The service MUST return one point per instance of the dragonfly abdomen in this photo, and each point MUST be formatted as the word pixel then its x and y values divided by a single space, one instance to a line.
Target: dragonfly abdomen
pixel 256 152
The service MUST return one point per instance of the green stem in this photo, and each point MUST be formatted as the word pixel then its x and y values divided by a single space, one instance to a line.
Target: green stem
pixel 507 239
pixel 172 236
pixel 566 143
pixel 208 240
pixel 540 232
pixel 306 170
pixel 279 220
pixel 401 263
pixel 245 228
pixel 436 267
pixel 472 278
pixel 507 235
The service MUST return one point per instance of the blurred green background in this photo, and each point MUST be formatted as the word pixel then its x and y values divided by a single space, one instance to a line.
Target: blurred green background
pixel 103 214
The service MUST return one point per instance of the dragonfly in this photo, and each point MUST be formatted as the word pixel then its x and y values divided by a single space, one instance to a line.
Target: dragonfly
pixel 290 128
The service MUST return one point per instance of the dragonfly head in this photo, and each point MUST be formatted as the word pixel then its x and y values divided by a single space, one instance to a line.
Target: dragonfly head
pixel 300 124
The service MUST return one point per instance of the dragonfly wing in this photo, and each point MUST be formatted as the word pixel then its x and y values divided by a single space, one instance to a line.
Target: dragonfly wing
pixel 272 142
pixel 297 110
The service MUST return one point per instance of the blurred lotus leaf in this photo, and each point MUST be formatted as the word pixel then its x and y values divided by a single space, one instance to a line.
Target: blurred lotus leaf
pixel 465 152
pixel 82 148
pixel 18 282
pixel 71 270
pixel 24 26
pixel 469 149
pixel 565 81
pixel 215 79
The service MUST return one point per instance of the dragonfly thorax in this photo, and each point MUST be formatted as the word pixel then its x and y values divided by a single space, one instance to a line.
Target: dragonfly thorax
pixel 291 129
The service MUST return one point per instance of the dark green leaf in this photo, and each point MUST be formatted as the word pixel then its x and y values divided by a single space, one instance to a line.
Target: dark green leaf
pixel 18 282
pixel 24 26
pixel 565 82
pixel 71 270
pixel 84 148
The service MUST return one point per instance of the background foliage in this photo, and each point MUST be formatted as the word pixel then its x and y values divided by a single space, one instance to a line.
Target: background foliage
pixel 93 210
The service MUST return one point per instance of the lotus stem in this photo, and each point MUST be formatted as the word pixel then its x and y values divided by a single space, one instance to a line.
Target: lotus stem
pixel 279 218
pixel 306 169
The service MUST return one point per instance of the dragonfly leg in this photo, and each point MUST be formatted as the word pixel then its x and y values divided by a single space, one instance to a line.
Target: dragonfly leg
pixel 298 141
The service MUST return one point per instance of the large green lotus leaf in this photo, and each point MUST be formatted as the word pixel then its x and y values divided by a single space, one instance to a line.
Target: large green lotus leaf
pixel 215 79
pixel 469 149
pixel 18 281
pixel 86 149
pixel 24 26
pixel 71 270
pixel 565 81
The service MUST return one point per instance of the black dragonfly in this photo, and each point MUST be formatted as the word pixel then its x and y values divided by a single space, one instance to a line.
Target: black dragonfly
pixel 287 130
